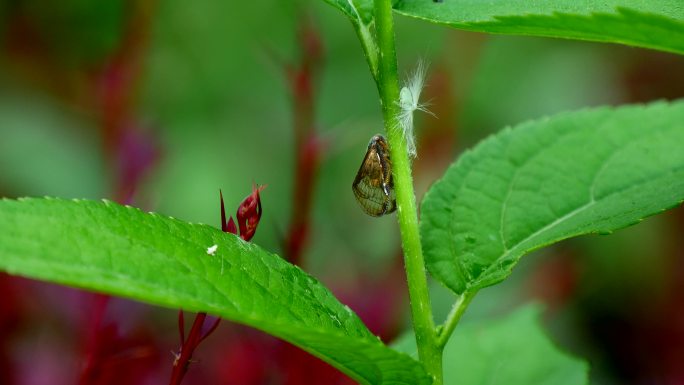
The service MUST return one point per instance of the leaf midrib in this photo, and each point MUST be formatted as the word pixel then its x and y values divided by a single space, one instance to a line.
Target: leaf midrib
pixel 549 226
pixel 508 252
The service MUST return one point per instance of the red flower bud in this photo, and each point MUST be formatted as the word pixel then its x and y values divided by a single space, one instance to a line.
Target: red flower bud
pixel 248 215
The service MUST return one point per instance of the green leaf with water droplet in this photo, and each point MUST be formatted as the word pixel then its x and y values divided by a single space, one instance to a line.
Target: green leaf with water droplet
pixel 105 247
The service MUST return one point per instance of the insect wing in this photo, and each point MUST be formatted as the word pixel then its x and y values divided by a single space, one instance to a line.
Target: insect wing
pixel 368 188
pixel 391 201
pixel 373 186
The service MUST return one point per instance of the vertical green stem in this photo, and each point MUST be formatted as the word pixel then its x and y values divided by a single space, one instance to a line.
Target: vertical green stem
pixel 388 86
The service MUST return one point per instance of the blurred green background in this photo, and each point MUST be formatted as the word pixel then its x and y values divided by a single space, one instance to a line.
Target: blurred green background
pixel 203 84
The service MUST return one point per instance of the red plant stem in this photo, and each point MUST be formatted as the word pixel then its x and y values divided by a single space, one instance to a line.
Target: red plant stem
pixel 248 215
pixel 115 86
pixel 301 82
pixel 180 365
pixel 94 326
pixel 181 325
pixel 121 75
pixel 184 358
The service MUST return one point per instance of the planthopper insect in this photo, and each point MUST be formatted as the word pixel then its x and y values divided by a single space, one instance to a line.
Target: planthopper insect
pixel 373 186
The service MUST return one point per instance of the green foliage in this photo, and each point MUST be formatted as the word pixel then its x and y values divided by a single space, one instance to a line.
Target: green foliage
pixel 592 171
pixel 509 351
pixel 358 11
pixel 655 24
pixel 123 251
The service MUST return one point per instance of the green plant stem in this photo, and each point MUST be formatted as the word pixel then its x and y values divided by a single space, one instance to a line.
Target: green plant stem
pixel 388 86
pixel 370 50
pixel 445 331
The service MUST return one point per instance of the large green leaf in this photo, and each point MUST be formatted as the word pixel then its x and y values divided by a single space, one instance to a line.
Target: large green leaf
pixel 592 171
pixel 657 24
pixel 123 251
pixel 510 351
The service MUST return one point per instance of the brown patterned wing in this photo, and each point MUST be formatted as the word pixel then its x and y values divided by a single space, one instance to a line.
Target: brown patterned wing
pixel 373 186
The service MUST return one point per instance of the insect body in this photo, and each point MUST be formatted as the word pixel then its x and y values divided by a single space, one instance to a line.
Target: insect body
pixel 373 186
